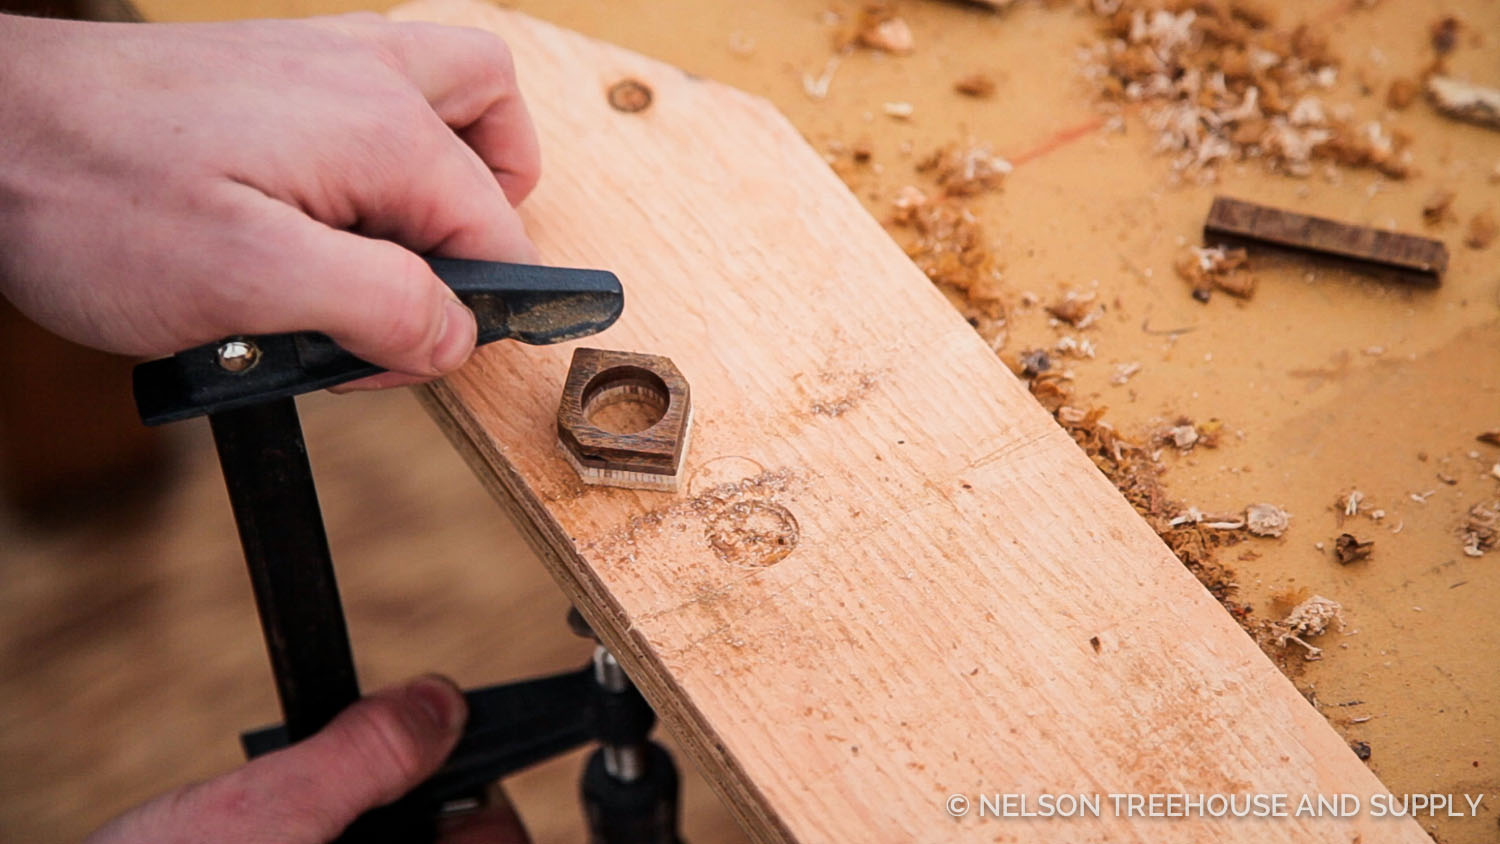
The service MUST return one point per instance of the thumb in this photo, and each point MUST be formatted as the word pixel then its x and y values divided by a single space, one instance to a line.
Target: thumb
pixel 372 753
pixel 375 298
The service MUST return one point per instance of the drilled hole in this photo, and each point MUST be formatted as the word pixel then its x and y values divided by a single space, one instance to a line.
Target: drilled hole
pixel 625 400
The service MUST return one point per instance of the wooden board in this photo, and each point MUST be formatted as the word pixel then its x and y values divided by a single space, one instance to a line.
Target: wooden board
pixel 953 553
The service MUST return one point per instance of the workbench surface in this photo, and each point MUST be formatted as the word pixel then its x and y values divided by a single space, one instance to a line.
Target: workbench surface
pixel 1323 382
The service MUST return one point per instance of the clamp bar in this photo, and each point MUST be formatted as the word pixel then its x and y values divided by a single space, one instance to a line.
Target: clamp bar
pixel 275 504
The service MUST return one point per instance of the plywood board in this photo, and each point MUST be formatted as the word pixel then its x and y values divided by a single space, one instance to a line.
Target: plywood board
pixel 885 578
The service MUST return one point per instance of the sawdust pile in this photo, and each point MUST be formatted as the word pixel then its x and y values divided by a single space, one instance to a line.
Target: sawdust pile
pixel 945 238
pixel 965 170
pixel 1136 472
pixel 1224 84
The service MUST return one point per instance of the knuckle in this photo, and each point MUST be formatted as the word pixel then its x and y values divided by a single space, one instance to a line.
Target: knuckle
pixel 385 742
pixel 381 138
pixel 224 800
pixel 500 63
pixel 406 323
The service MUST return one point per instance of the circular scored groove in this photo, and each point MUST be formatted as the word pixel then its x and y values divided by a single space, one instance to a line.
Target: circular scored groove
pixel 625 400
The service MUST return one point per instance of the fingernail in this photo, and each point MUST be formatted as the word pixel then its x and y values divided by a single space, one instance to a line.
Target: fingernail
pixel 456 342
pixel 440 701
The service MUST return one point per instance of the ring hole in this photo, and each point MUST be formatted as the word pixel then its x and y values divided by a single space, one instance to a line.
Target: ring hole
pixel 625 400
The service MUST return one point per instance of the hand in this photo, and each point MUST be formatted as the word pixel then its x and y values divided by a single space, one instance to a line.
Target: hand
pixel 163 186
pixel 372 753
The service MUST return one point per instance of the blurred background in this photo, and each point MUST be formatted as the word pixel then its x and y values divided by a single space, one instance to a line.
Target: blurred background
pixel 130 652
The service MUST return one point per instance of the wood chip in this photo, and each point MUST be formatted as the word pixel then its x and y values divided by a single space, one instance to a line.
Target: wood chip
pixel 1184 437
pixel 1444 34
pixel 1310 618
pixel 898 110
pixel 1437 205
pixel 1034 362
pixel 1215 266
pixel 1239 285
pixel 1347 549
pixel 1482 230
pixel 1464 100
pixel 1314 616
pixel 965 170
pixel 880 29
pixel 1266 520
pixel 1402 93
pixel 1480 531
pixel 1072 308
pixel 1223 86
pixel 1124 372
pixel 975 85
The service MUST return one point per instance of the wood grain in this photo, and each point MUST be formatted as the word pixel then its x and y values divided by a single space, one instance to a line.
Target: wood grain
pixel 953 553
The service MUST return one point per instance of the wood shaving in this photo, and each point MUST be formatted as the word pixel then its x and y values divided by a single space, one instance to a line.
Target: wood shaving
pixel 1402 93
pixel 1073 308
pixel 1208 433
pixel 1347 549
pixel 1480 530
pixel 1308 619
pixel 1266 520
pixel 948 243
pixel 965 170
pixel 817 86
pixel 946 239
pixel 898 110
pixel 1075 347
pixel 1183 437
pixel 1034 362
pixel 1437 206
pixel 1206 267
pixel 1444 34
pixel 879 28
pixel 1482 230
pixel 1464 100
pixel 1124 372
pixel 976 85
pixel 1224 84
pixel 1348 504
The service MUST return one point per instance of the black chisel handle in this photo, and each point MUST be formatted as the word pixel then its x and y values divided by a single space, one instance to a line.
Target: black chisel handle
pixel 532 304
